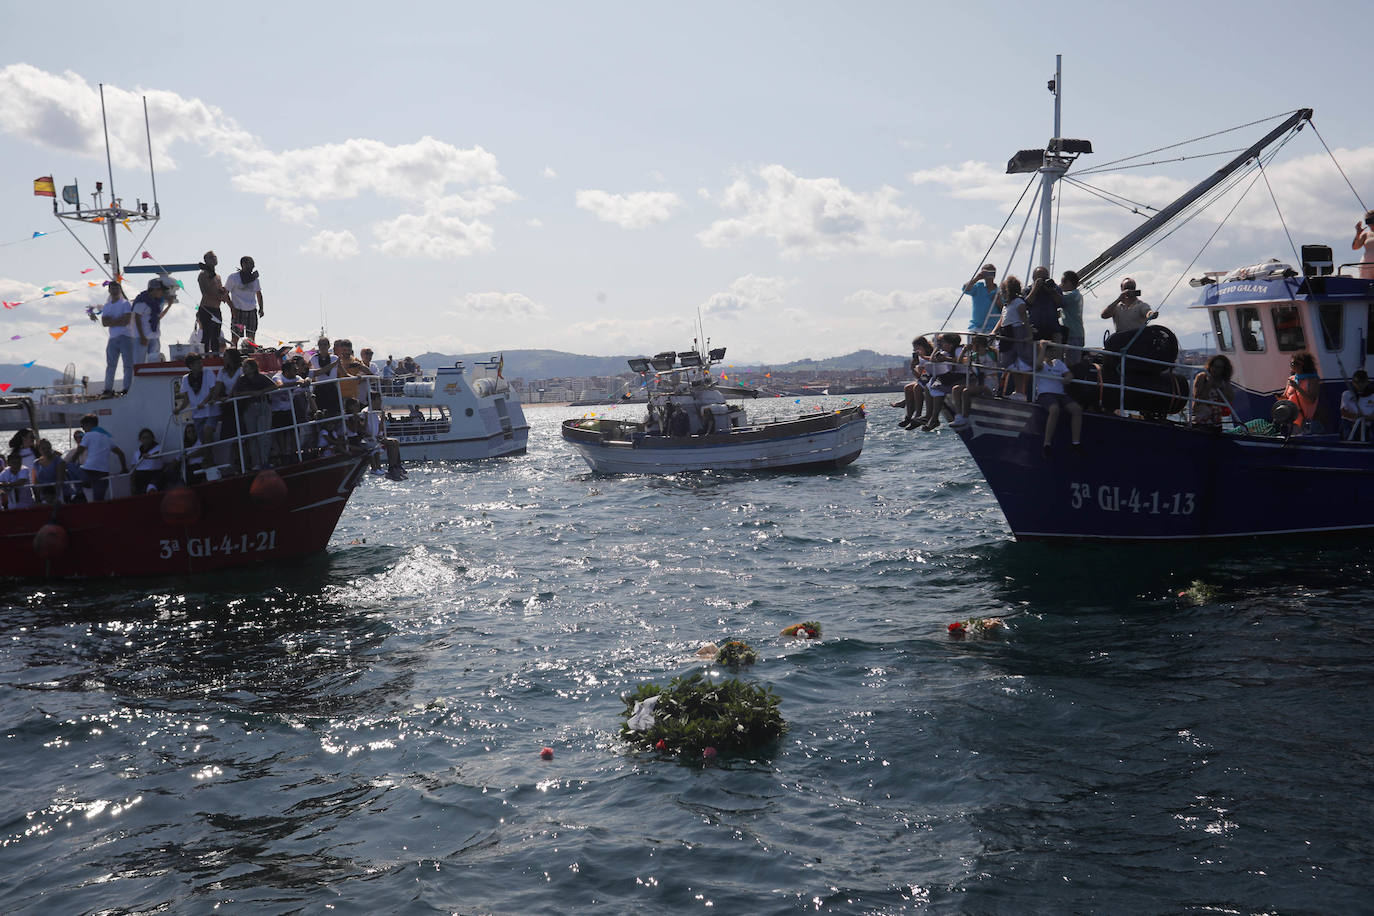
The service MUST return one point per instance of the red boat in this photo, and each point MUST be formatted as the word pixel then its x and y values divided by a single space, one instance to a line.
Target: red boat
pixel 228 520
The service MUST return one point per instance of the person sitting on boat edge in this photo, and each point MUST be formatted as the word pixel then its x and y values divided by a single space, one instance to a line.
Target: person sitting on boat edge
pixel 1364 238
pixel 1128 311
pixel 1212 392
pixel 982 292
pixel 74 490
pixel 16 483
pixel 1051 374
pixel 147 474
pixel 1357 408
pixel 942 376
pixel 914 392
pixel 1303 389
pixel 99 446
pixel 978 379
pixel 1042 306
pixel 1015 348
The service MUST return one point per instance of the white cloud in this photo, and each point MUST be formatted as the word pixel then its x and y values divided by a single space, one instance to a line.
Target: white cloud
pixel 336 246
pixel 499 306
pixel 549 172
pixel 288 211
pixel 432 233
pixel 636 210
pixel 63 111
pixel 337 171
pixel 811 217
pixel 746 294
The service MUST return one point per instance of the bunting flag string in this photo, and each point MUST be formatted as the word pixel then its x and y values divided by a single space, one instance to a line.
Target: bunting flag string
pixel 27 238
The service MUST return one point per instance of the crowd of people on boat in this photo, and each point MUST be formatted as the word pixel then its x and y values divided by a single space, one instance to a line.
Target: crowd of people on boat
pixel 1027 343
pixel 239 419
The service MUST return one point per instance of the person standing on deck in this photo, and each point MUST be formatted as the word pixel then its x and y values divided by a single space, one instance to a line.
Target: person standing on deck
pixel 245 302
pixel 116 316
pixel 1128 311
pixel 212 296
pixel 1364 238
pixel 982 291
pixel 1071 306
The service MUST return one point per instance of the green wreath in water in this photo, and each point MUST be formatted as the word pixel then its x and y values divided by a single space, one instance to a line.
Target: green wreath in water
pixel 694 718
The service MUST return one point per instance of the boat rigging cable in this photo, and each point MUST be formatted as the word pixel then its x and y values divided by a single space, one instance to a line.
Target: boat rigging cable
pixel 1107 166
pixel 1010 214
pixel 1335 162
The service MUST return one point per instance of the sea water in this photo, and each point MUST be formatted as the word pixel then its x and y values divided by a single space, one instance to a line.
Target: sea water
pixel 1152 729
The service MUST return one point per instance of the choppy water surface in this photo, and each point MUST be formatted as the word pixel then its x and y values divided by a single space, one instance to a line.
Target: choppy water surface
pixel 1158 730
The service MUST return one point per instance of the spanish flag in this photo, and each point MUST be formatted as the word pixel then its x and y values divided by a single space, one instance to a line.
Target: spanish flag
pixel 43 187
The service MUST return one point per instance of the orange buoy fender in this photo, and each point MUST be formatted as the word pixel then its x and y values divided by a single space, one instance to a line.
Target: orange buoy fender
pixel 180 506
pixel 268 488
pixel 50 542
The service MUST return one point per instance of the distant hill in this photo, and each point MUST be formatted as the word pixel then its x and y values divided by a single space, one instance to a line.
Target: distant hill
pixel 19 377
pixel 533 364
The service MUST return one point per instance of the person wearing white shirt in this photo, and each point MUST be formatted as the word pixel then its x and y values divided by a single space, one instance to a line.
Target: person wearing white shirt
pixel 1051 375
pixel 1128 311
pixel 116 316
pixel 16 483
pixel 197 387
pixel 1357 408
pixel 245 301
pixel 98 446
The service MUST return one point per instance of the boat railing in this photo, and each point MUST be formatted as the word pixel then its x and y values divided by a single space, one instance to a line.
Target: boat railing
pixel 1128 365
pixel 1340 271
pixel 255 445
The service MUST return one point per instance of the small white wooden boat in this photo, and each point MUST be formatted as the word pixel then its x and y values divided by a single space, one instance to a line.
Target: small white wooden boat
pixel 690 427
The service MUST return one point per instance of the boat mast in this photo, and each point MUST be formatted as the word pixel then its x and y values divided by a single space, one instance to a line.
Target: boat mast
pixel 1051 171
pixel 110 218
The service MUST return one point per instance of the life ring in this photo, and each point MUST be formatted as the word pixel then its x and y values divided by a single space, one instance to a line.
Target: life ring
pixel 50 542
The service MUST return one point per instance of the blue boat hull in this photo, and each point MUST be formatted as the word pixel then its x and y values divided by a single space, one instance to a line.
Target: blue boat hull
pixel 1146 481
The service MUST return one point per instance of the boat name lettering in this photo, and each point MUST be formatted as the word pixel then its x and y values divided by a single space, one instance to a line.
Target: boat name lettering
pixel 1109 498
pixel 226 545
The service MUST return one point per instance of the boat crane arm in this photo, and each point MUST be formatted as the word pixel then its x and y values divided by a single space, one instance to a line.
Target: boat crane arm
pixel 1156 222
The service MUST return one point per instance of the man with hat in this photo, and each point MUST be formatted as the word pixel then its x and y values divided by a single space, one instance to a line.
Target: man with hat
pixel 150 307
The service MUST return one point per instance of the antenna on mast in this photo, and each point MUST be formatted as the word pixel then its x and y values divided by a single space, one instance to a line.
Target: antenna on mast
pixel 112 216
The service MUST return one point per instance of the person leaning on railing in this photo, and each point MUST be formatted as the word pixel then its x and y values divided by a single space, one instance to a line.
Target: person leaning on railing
pixel 1357 408
pixel 1212 392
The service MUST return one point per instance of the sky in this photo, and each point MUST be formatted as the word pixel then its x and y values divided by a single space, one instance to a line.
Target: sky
pixel 807 178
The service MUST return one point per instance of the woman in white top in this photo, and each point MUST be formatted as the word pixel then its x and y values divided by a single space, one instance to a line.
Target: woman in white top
pixel 1013 327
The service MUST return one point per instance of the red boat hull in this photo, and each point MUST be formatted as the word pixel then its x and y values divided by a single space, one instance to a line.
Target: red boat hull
pixel 131 537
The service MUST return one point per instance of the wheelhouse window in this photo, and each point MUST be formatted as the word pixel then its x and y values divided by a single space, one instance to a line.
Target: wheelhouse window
pixel 1332 315
pixel 1288 327
pixel 1221 324
pixel 1250 330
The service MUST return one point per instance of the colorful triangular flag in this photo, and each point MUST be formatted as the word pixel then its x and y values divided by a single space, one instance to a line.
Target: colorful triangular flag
pixel 56 335
pixel 30 364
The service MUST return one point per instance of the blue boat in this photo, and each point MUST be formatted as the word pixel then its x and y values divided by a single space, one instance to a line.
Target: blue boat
pixel 1143 471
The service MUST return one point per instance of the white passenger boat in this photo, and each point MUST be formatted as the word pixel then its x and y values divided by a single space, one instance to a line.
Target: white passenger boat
pixel 690 427
pixel 454 417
